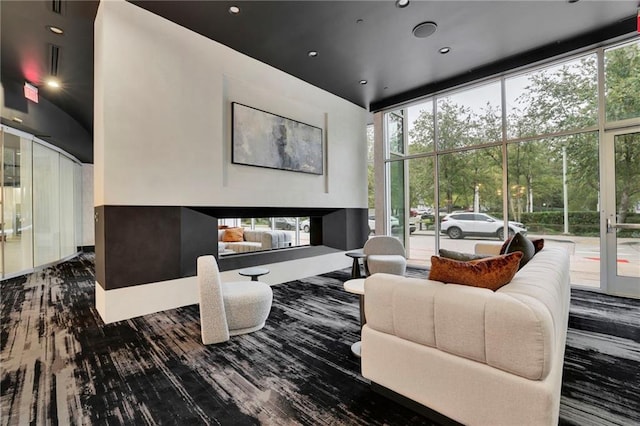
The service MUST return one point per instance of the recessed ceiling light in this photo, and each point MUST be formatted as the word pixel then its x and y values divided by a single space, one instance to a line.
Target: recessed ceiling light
pixel 402 3
pixel 444 50
pixel 425 29
pixel 234 10
pixel 363 82
pixel 55 30
pixel 312 53
pixel 53 83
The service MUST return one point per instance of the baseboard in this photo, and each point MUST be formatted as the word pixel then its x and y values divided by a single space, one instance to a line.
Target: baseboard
pixel 412 405
pixel 130 302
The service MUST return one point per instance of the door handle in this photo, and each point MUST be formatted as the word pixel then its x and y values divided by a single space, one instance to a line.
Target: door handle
pixel 612 226
pixel 627 225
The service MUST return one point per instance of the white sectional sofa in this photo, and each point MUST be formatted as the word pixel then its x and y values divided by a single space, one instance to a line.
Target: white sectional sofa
pixel 474 355
pixel 254 240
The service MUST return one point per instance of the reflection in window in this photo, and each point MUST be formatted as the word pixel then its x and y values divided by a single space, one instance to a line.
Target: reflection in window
pixel 622 81
pixel 553 99
pixel 470 117
pixel 248 235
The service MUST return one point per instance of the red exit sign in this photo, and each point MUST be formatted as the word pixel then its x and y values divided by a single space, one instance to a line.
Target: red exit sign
pixel 31 92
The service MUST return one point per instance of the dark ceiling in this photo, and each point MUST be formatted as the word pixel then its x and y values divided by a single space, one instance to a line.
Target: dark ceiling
pixel 355 40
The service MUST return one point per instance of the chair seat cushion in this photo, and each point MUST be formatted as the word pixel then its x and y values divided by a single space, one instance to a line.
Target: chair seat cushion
pixel 247 304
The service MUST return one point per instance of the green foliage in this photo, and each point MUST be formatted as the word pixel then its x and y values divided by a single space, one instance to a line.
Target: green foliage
pixel 584 223
pixel 560 98
pixel 622 74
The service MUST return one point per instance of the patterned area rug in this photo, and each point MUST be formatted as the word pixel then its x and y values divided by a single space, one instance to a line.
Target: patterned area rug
pixel 61 364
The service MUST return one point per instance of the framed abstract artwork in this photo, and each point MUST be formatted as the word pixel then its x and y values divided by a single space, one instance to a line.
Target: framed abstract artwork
pixel 263 139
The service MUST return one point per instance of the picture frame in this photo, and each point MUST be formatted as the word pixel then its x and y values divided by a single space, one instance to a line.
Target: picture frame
pixel 263 139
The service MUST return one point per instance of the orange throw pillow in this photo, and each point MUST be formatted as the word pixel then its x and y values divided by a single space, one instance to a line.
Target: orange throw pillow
pixel 491 273
pixel 233 235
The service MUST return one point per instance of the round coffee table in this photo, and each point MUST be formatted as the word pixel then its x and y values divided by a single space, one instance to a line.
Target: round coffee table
pixel 254 273
pixel 356 286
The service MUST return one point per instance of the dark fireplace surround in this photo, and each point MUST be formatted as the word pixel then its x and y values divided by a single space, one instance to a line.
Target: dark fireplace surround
pixel 144 244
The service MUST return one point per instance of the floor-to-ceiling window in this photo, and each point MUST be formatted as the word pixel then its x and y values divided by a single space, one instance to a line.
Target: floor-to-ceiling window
pixel 41 205
pixel 524 151
pixel 371 180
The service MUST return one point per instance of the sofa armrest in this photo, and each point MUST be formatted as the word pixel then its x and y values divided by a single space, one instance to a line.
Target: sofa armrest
pixel 267 240
pixel 401 306
pixel 275 239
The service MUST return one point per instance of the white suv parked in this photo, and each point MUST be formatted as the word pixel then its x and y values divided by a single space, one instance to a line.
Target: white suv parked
pixel 460 225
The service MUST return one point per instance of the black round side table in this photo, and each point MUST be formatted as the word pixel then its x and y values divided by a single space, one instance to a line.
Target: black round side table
pixel 355 268
pixel 254 273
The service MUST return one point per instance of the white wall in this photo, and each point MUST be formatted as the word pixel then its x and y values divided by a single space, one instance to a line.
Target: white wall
pixel 129 302
pixel 162 136
pixel 163 119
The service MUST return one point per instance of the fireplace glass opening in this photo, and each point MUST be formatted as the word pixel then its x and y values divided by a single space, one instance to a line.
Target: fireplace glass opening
pixel 259 234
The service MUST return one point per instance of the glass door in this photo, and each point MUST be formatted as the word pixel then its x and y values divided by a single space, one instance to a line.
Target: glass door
pixel 15 227
pixel 621 202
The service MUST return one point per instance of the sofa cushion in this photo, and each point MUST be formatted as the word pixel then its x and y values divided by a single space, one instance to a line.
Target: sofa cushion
pixel 521 243
pixel 491 273
pixel 459 320
pixel 254 236
pixel 244 246
pixel 464 257
pixel 233 235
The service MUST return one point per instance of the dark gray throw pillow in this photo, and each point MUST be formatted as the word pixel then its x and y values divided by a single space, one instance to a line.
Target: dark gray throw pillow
pixel 520 243
pixel 463 257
